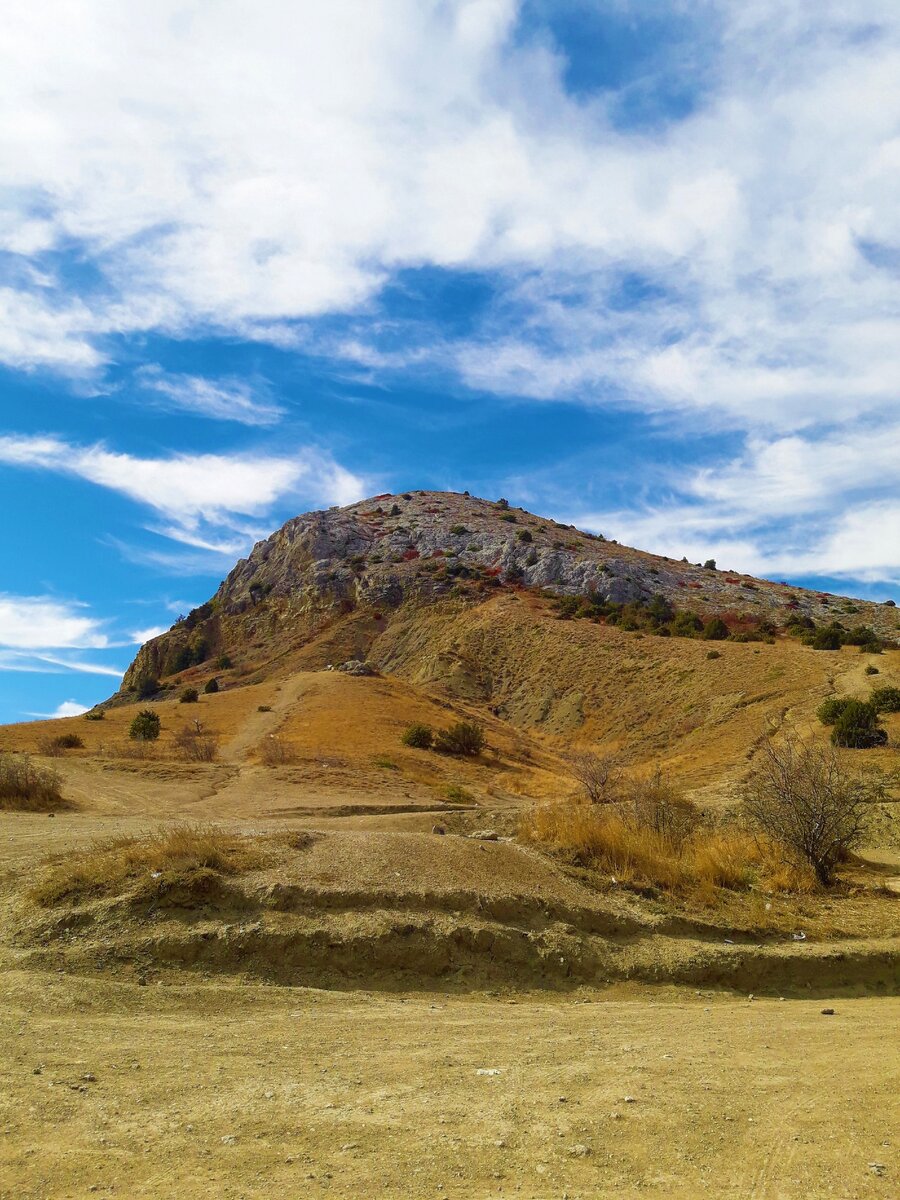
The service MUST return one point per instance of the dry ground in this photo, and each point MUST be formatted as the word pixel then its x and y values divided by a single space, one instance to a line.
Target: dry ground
pixel 216 1090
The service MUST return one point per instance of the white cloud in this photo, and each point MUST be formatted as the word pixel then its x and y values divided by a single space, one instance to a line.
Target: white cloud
pixel 139 636
pixel 37 622
pixel 225 400
pixel 68 708
pixel 194 493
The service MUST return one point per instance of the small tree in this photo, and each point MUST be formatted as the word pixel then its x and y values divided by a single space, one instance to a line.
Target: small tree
pixel 803 799
pixel 709 565
pixel 598 774
pixel 418 736
pixel 211 686
pixel 145 726
pixel 465 738
pixel 189 695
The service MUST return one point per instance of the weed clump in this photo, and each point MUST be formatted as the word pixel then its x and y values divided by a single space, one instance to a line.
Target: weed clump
pixel 25 787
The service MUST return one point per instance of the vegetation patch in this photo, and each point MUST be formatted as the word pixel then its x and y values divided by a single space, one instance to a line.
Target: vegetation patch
pixel 26 787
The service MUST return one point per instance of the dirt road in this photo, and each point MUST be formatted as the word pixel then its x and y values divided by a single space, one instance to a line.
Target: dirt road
pixel 222 1090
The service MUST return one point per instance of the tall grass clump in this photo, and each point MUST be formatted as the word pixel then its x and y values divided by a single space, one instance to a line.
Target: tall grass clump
pixel 188 857
pixel 25 787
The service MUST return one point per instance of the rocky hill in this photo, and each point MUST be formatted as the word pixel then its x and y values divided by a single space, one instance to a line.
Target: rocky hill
pixel 382 556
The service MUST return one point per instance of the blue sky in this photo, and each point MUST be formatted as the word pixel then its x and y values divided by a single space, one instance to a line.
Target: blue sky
pixel 630 264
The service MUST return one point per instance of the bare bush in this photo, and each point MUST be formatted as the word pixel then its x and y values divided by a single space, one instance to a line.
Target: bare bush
pixel 804 800
pixel 274 751
pixel 194 744
pixel 598 774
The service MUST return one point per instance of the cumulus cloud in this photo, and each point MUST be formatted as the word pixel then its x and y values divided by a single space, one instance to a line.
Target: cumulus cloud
pixel 67 708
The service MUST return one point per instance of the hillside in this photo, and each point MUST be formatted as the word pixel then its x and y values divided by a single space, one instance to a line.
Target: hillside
pixel 383 555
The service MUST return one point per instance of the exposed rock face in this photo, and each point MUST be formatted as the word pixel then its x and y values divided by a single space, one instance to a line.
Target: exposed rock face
pixel 418 547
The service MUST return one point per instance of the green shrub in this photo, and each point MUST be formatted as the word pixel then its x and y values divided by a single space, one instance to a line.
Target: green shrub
pixel 524 535
pixel 465 738
pixel 715 630
pixel 870 670
pixel 829 710
pixel 709 565
pixel 713 654
pixel 95 714
pixel 68 741
pixel 857 727
pixel 224 663
pixel 211 686
pixel 264 708
pixel 419 736
pixel 145 726
pixel 831 637
pixel 458 530
pixel 510 517
pixel 189 695
pixel 686 624
pixel 885 699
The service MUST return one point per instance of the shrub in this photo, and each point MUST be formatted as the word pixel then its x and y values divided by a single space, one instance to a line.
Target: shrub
pixel 713 654
pixel 145 726
pixel 502 503
pixel 524 535
pixel 805 801
pixel 715 630
pixel 510 517
pixel 686 624
pixel 193 745
pixel 598 775
pixel 25 787
pixel 95 714
pixel 419 736
pixel 264 708
pixel 68 741
pixel 829 710
pixel 465 738
pixel 886 699
pixel 189 695
pixel 458 530
pixel 274 751
pixel 211 686
pixel 857 727
pixel 709 565
pixel 831 637
pixel 870 670
pixel 224 663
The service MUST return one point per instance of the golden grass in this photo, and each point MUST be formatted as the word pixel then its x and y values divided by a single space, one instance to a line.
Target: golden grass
pixel 26 787
pixel 185 856
pixel 696 862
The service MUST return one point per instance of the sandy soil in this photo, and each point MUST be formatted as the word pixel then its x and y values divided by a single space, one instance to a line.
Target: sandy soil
pixel 224 1091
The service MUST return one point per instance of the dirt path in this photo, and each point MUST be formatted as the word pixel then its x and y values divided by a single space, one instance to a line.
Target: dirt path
pixel 225 1091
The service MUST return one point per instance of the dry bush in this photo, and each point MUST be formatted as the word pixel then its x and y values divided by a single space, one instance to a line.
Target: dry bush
pixel 804 801
pixel 655 837
pixel 194 745
pixel 274 751
pixel 25 787
pixel 598 774
pixel 179 857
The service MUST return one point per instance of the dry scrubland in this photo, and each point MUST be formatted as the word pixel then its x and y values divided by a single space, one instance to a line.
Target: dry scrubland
pixel 283 969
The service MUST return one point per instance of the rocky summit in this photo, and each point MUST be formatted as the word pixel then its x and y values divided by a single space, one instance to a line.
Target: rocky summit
pixel 418 548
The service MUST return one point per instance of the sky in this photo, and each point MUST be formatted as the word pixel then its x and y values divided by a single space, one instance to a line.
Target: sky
pixel 632 264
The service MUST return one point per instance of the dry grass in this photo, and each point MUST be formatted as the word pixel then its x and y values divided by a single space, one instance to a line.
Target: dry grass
pixel 194 744
pixel 25 787
pixel 192 859
pixel 274 751
pixel 696 860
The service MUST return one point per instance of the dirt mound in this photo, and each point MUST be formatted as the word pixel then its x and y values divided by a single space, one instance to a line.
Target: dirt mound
pixel 398 911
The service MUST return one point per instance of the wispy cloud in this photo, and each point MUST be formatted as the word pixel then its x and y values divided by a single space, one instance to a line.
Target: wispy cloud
pixel 200 495
pixel 37 622
pixel 222 400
